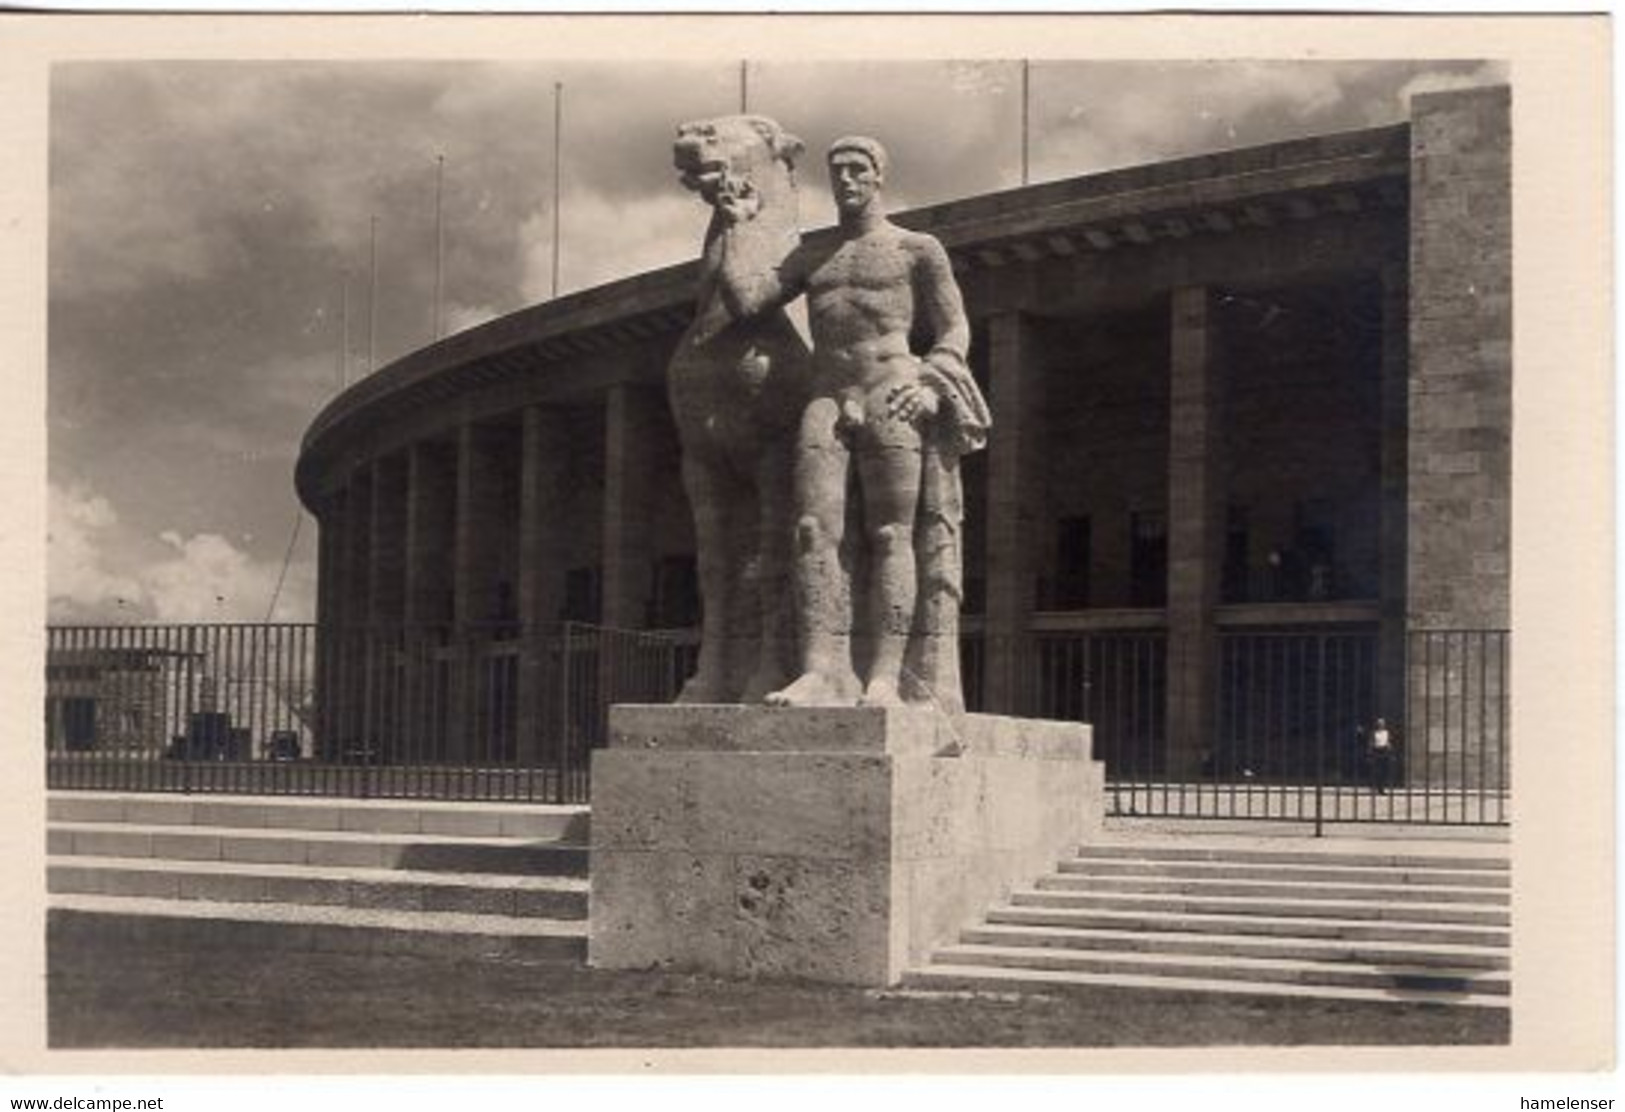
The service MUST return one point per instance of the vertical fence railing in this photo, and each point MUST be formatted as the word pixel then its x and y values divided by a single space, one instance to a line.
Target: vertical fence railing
pixel 469 712
pixel 1294 715
pixel 1292 711
pixel 504 712
pixel 176 707
pixel 1453 756
pixel 1115 680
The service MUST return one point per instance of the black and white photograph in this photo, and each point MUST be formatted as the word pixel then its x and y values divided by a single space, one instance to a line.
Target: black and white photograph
pixel 996 548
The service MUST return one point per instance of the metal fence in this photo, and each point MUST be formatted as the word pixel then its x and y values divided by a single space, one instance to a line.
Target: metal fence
pixel 506 712
pixel 1292 725
pixel 467 712
pixel 1116 680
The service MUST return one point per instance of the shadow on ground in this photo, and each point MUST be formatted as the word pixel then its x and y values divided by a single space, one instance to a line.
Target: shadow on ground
pixel 130 995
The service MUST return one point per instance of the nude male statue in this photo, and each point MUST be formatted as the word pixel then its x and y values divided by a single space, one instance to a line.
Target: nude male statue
pixel 873 404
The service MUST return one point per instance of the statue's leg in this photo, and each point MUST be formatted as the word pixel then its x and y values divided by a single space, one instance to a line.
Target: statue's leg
pixel 890 474
pixel 715 503
pixel 931 662
pixel 822 591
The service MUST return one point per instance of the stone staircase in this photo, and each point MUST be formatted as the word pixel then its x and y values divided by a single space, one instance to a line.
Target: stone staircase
pixel 396 876
pixel 1258 915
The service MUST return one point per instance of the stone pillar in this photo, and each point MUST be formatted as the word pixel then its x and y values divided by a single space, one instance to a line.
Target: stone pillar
pixel 385 603
pixel 478 526
pixel 1195 526
pixel 356 557
pixel 1460 396
pixel 354 725
pixel 430 519
pixel 386 555
pixel 1015 507
pixel 543 558
pixel 1392 449
pixel 630 416
pixel 329 621
pixel 431 483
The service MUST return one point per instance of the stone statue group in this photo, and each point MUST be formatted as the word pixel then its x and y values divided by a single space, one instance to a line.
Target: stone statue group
pixel 824 484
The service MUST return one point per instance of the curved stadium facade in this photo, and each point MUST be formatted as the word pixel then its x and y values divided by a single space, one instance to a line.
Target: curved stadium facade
pixel 1248 485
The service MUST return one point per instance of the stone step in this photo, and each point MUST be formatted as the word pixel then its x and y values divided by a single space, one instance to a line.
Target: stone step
pixel 422 852
pixel 306 928
pixel 1492 859
pixel 1208 944
pixel 539 822
pixel 1354 930
pixel 1429 978
pixel 1229 870
pixel 1221 887
pixel 1289 908
pixel 976 978
pixel 551 897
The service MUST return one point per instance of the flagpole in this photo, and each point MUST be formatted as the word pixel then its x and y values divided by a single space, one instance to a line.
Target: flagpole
pixel 439 243
pixel 344 338
pixel 372 297
pixel 744 87
pixel 1026 78
pixel 558 145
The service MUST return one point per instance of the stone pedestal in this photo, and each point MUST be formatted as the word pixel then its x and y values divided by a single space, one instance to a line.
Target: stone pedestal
pixel 836 844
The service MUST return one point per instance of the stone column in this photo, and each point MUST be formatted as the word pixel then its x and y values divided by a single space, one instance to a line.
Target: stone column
pixel 431 483
pixel 386 583
pixel 478 526
pixel 386 556
pixel 1460 444
pixel 430 520
pixel 543 556
pixel 353 718
pixel 329 621
pixel 630 416
pixel 1015 507
pixel 1392 485
pixel 1195 526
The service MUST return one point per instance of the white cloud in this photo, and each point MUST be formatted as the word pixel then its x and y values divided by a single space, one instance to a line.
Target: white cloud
pixel 604 240
pixel 206 578
pixel 1438 81
pixel 462 317
pixel 201 578
pixel 79 582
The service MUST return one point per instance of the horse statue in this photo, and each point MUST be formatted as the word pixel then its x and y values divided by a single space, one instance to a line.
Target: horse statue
pixel 737 385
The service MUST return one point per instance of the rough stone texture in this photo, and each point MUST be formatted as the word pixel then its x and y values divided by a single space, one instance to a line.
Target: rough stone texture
pixel 1460 360
pixel 1195 525
pixel 1016 503
pixel 838 844
pixel 1460 442
pixel 737 384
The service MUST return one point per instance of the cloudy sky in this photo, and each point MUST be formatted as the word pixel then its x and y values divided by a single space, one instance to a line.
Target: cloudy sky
pixel 202 216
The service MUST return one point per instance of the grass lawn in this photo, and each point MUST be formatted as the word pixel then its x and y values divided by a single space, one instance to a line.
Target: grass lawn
pixel 130 995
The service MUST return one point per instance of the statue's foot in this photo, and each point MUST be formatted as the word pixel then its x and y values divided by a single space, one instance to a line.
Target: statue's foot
pixel 815 689
pixel 702 688
pixel 762 686
pixel 881 693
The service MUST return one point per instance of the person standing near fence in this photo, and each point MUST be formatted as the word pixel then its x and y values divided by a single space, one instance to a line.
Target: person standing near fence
pixel 1381 757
